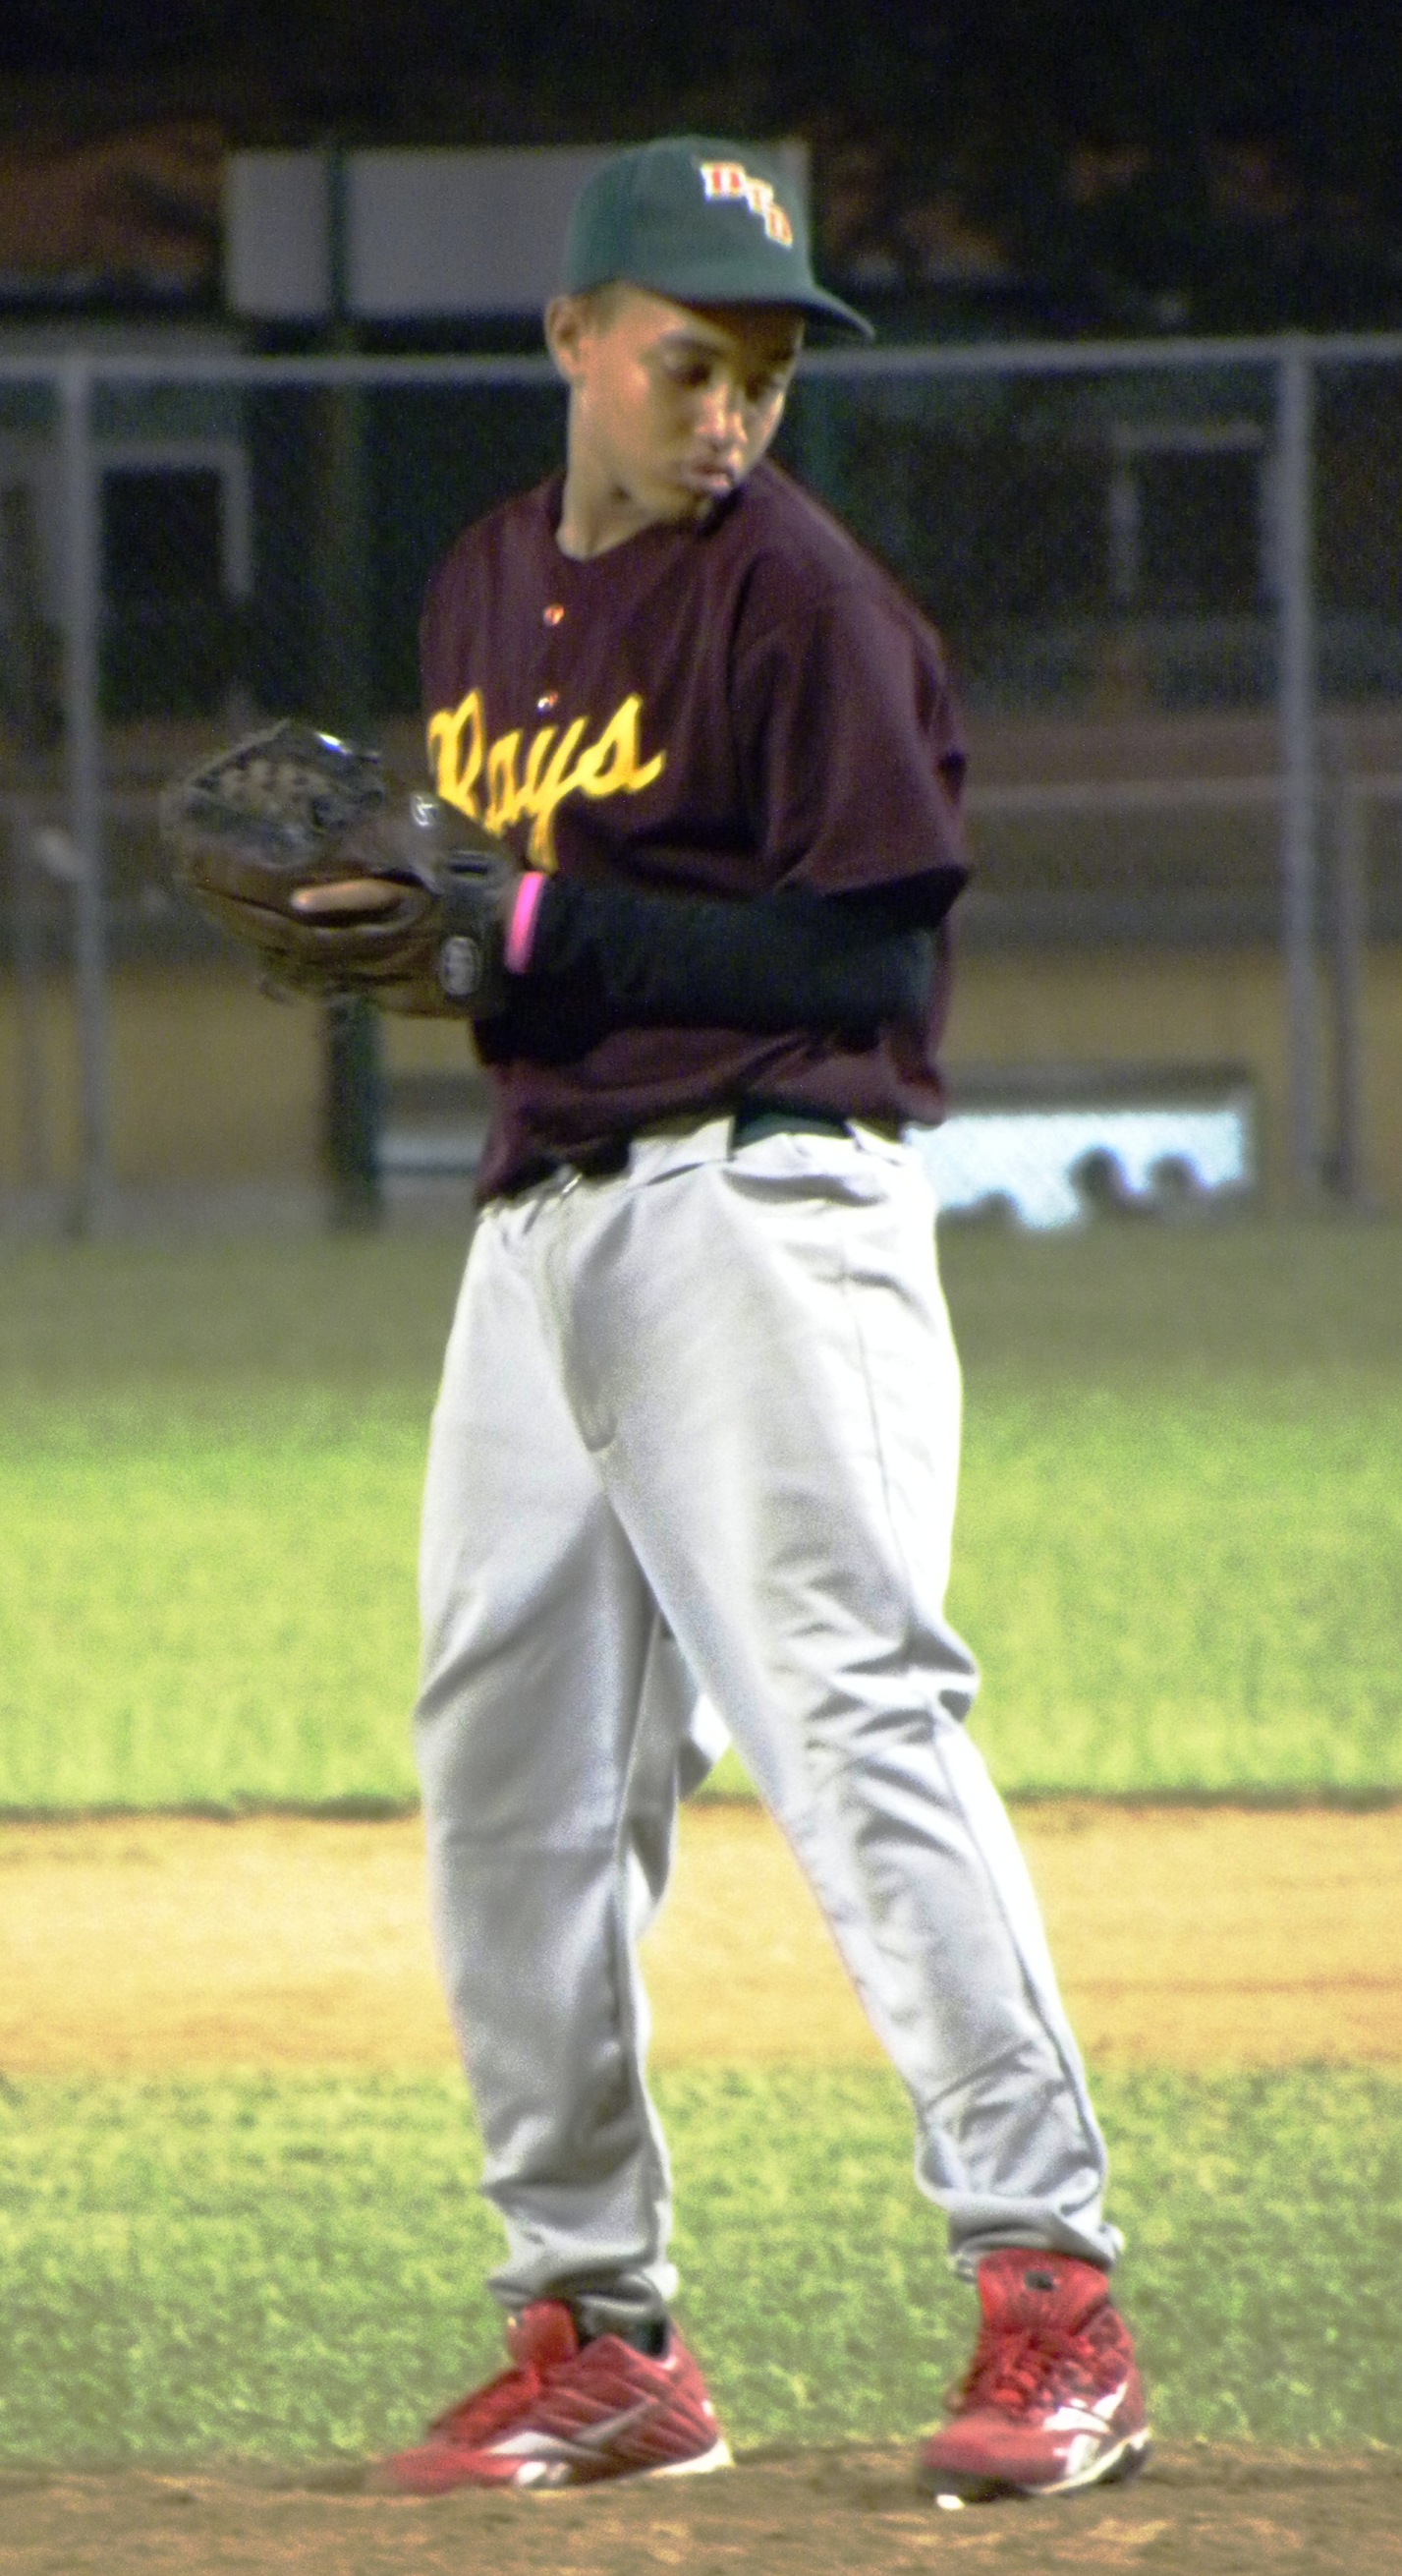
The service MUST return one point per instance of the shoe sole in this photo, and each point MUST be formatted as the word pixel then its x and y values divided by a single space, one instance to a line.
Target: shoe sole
pixel 718 2457
pixel 1113 2469
pixel 381 2479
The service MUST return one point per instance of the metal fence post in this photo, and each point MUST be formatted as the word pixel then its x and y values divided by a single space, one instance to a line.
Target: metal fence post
pixel 82 598
pixel 1346 1168
pixel 352 1039
pixel 30 1088
pixel 1297 690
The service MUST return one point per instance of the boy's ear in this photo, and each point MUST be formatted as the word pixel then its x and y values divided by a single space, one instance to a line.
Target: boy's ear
pixel 565 325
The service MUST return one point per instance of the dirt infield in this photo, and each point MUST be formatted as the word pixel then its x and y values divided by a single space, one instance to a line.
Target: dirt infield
pixel 1184 1936
pixel 1195 2512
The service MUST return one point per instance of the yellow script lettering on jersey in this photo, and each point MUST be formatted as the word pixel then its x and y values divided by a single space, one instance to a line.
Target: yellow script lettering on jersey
pixel 554 765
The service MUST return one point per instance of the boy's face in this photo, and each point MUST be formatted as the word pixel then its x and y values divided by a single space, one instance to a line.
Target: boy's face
pixel 672 405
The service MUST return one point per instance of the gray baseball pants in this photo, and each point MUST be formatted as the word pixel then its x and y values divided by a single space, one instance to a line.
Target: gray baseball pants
pixel 698 1431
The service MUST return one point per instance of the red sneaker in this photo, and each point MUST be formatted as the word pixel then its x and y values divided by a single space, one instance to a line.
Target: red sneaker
pixel 1052 2397
pixel 568 2414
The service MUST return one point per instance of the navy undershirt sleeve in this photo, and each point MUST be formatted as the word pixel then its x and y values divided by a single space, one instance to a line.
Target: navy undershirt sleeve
pixel 777 962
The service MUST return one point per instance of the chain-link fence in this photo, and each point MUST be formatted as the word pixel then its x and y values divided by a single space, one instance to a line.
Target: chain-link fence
pixel 1171 580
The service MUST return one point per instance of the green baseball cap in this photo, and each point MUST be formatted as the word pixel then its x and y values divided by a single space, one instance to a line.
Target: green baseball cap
pixel 703 221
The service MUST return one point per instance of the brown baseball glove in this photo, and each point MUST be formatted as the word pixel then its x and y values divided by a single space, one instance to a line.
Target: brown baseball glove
pixel 340 880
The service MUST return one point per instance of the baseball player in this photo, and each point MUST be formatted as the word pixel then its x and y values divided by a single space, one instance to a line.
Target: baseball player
pixel 696 1443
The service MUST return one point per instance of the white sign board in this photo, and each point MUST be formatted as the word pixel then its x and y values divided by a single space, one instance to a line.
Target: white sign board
pixel 1026 1160
pixel 432 234
pixel 429 235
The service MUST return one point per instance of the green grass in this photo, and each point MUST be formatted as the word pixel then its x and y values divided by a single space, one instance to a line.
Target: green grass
pixel 288 2270
pixel 210 1613
pixel 1181 1589
pixel 1177 1555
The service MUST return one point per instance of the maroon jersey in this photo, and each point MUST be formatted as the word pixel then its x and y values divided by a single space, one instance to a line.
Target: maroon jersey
pixel 723 709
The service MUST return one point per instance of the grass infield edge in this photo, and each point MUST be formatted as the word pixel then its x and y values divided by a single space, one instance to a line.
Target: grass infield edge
pixel 1295 1799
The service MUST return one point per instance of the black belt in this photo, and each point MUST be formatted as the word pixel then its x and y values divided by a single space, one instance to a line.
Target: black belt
pixel 752 1120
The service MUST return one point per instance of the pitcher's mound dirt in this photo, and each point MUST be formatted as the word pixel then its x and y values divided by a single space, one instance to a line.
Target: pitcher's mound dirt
pixel 1195 2512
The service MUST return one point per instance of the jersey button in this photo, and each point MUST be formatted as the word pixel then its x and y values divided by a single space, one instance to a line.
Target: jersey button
pixel 544 704
pixel 554 614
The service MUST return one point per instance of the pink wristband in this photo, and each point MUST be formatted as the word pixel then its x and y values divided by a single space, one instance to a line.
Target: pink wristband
pixel 520 930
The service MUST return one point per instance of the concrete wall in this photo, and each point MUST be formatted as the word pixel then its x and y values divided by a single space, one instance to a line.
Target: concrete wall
pixel 215 1084
pixel 211 1081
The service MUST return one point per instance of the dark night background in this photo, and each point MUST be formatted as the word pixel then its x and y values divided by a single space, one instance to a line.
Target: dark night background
pixel 1073 164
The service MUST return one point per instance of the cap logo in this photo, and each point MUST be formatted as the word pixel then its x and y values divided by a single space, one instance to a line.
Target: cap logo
pixel 729 182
